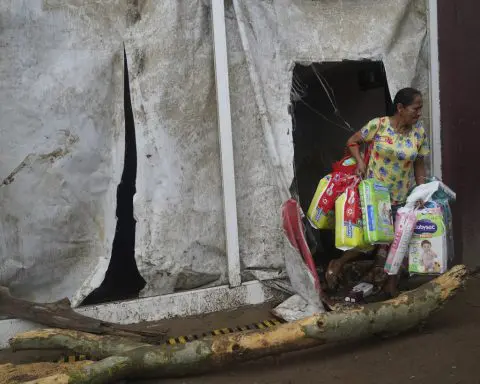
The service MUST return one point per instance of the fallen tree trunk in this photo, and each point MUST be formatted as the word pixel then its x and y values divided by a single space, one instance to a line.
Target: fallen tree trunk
pixel 122 358
pixel 16 374
pixel 60 315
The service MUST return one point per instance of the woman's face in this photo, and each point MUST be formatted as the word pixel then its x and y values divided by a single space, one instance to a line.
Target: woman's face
pixel 410 114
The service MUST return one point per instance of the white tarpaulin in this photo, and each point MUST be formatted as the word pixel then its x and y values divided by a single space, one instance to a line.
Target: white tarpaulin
pixel 61 105
pixel 61 147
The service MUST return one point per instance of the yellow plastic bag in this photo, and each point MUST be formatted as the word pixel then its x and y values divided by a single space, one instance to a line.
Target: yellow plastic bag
pixel 316 215
pixel 348 222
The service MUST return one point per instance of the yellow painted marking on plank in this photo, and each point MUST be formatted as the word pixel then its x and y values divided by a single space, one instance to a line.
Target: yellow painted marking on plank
pixel 182 340
pixel 73 358
pixel 268 323
pixel 223 331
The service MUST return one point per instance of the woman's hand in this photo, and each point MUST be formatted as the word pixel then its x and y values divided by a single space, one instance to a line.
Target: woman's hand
pixel 419 204
pixel 361 168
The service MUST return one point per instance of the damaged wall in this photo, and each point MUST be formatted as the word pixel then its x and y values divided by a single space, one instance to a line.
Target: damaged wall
pixel 61 105
pixel 277 34
pixel 62 73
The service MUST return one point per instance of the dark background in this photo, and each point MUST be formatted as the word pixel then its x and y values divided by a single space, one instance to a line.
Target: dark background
pixel 459 50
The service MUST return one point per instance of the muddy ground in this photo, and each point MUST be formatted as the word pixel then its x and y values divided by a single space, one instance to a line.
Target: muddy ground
pixel 446 351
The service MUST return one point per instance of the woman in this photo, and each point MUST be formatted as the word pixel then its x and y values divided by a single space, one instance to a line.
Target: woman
pixel 398 148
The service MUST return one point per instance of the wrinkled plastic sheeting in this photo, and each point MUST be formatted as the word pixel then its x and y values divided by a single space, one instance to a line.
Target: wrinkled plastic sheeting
pixel 276 34
pixel 178 205
pixel 306 301
pixel 61 152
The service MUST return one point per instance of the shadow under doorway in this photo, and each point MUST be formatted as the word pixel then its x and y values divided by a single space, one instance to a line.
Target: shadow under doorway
pixel 329 102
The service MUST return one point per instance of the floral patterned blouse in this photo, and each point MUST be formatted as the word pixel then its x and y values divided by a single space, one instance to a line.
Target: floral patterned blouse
pixel 393 155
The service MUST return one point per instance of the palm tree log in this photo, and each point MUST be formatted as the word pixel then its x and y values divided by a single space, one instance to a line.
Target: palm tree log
pixel 123 358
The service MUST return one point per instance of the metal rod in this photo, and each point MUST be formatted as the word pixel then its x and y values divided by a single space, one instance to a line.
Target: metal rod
pixel 435 122
pixel 226 145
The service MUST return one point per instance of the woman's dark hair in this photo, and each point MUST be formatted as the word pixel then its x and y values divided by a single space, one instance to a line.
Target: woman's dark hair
pixel 405 96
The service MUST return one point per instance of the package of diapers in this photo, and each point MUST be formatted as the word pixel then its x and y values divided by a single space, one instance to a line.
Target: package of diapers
pixel 405 222
pixel 320 214
pixel 348 221
pixel 404 226
pixel 377 212
pixel 316 214
pixel 427 253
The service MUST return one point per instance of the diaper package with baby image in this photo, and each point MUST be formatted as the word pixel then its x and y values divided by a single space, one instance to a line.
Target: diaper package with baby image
pixel 377 212
pixel 348 221
pixel 427 253
pixel 405 223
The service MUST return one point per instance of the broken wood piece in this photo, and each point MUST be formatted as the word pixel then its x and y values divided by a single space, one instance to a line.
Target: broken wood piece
pixel 123 358
pixel 16 374
pixel 60 315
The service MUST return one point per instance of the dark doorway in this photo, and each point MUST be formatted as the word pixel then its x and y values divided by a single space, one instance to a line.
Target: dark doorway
pixel 122 279
pixel 329 102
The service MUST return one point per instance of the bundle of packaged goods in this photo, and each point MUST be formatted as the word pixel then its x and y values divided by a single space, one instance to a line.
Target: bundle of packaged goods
pixel 432 240
pixel 358 211
pixel 422 232
pixel 321 211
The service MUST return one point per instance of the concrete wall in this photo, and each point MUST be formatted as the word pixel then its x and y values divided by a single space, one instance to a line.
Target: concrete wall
pixel 459 32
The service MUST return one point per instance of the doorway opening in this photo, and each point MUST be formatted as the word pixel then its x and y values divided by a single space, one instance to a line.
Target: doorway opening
pixel 122 280
pixel 329 102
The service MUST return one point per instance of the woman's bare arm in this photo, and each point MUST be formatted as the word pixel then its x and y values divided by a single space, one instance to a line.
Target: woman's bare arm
pixel 353 145
pixel 419 170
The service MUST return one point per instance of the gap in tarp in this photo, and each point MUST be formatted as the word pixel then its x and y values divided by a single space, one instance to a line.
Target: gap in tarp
pixel 122 280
